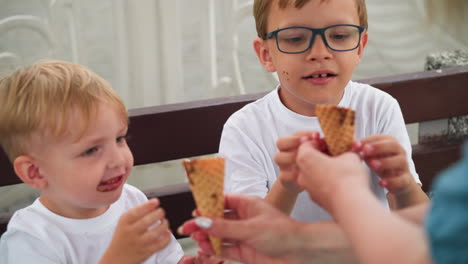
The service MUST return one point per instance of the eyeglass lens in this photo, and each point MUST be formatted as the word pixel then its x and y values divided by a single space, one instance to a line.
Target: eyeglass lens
pixel 337 37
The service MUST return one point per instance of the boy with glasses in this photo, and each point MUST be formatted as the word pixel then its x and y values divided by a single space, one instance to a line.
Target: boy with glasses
pixel 314 47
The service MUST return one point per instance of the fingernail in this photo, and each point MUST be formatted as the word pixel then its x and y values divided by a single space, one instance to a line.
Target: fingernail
pixel 203 222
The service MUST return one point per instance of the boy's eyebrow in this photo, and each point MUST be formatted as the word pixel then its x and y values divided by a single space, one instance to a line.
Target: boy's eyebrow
pixel 96 140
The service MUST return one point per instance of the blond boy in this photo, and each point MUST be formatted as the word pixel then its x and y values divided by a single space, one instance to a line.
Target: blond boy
pixel 314 47
pixel 64 129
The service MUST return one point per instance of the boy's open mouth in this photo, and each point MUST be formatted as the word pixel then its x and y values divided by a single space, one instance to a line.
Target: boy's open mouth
pixel 110 185
pixel 321 75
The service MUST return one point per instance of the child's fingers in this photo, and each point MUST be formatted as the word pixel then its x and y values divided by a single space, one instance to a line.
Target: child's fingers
pixel 160 242
pixel 149 220
pixel 285 160
pixel 390 166
pixel 382 149
pixel 158 234
pixel 288 143
pixel 395 184
pixel 139 211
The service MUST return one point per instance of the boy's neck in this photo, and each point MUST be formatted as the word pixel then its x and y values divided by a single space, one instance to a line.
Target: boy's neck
pixel 74 213
pixel 299 105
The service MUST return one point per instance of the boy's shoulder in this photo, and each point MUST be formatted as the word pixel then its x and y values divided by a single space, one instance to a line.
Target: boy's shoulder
pixel 358 87
pixel 30 220
pixel 360 94
pixel 259 109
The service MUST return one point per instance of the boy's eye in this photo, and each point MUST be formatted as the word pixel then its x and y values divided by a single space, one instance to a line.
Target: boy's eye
pixel 89 152
pixel 339 36
pixel 295 39
pixel 121 139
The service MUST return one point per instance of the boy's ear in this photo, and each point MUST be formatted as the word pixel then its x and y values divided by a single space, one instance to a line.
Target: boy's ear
pixel 362 45
pixel 27 170
pixel 263 54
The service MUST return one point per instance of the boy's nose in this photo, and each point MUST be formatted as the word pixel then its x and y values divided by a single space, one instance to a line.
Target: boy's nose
pixel 319 50
pixel 117 158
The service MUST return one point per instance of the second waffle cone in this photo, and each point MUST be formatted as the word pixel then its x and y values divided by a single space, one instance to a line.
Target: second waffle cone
pixel 206 179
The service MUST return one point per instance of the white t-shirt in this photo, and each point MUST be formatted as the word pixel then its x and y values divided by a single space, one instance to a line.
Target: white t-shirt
pixel 248 141
pixel 37 235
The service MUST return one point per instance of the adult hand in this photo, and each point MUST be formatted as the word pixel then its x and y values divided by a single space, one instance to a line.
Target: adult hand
pixel 257 232
pixel 327 178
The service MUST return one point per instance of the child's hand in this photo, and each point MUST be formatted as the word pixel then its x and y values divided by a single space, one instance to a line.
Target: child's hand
pixel 286 157
pixel 140 233
pixel 387 158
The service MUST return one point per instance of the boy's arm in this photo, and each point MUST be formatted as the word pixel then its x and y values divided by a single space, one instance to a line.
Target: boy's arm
pixel 414 195
pixel 281 198
pixel 284 192
pixel 389 159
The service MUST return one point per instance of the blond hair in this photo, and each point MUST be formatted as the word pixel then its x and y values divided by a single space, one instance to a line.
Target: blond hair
pixel 261 10
pixel 43 97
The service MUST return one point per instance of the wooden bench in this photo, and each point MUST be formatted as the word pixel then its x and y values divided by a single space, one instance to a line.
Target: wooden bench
pixel 169 132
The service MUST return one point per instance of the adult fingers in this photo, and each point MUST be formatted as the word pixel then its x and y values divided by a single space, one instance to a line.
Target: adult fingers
pixel 308 156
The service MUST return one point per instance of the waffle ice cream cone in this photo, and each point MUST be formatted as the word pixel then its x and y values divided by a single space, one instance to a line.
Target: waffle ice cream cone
pixel 206 179
pixel 338 127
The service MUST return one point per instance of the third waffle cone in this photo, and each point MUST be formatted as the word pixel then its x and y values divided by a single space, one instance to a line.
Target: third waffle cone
pixel 338 127
pixel 206 179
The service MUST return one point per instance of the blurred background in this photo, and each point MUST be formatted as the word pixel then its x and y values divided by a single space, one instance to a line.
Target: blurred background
pixel 157 52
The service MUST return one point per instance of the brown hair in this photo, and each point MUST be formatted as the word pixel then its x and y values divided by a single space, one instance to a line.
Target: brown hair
pixel 42 98
pixel 261 10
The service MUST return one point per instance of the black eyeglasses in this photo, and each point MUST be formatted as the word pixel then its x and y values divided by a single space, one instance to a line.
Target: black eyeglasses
pixel 341 37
